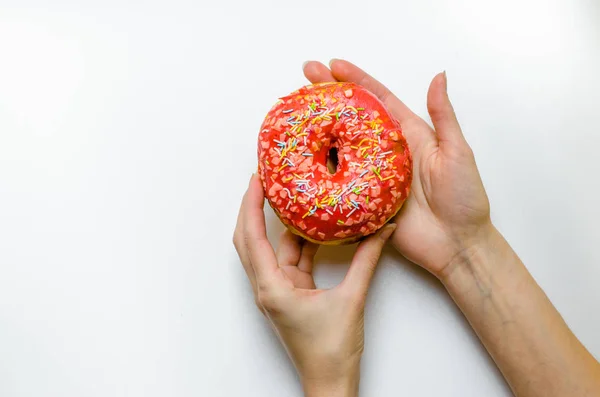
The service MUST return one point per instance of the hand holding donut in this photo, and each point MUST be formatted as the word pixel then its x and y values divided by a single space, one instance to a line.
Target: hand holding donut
pixel 447 211
pixel 322 330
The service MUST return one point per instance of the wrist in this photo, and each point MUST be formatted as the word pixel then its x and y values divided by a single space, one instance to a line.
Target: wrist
pixel 473 254
pixel 344 385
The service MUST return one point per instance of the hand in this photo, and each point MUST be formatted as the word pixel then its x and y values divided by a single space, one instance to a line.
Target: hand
pixel 322 330
pixel 447 212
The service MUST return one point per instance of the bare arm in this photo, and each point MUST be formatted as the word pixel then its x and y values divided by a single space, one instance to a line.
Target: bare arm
pixel 527 338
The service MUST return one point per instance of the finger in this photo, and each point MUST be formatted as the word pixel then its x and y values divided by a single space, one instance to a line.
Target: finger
pixel 316 72
pixel 293 250
pixel 346 71
pixel 307 257
pixel 442 113
pixel 240 247
pixel 365 261
pixel 261 254
pixel 289 249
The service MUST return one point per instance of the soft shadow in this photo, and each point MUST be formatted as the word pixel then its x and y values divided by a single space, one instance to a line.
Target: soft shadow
pixel 410 267
pixel 340 255
pixel 430 281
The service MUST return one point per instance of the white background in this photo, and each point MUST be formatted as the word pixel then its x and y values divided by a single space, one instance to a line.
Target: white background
pixel 128 135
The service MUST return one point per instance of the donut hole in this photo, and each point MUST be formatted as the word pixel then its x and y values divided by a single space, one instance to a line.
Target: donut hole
pixel 332 160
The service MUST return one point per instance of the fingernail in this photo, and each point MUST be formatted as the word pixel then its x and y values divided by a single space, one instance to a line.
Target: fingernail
pixel 387 231
pixel 332 61
pixel 445 81
pixel 251 176
pixel 304 64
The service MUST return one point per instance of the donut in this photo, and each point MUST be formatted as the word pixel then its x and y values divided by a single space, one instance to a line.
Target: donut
pixel 334 164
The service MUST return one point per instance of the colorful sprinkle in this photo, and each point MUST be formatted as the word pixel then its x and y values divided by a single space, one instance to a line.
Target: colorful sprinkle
pixel 322 196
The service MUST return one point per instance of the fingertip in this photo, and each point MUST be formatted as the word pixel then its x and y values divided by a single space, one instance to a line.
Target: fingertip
pixel 381 236
pixel 442 112
pixel 310 68
pixel 316 72
pixel 343 69
pixel 387 231
pixel 246 194
pixel 445 81
pixel 255 191
pixel 255 180
pixel 437 87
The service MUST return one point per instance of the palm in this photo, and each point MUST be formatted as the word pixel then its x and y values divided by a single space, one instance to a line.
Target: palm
pixel 444 197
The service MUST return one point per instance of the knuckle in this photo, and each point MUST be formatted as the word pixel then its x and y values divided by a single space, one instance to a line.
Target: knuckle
pixel 370 261
pixel 270 300
pixel 258 305
pixel 266 300
pixel 371 266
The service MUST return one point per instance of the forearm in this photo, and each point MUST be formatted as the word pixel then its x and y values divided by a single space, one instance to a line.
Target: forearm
pixel 521 329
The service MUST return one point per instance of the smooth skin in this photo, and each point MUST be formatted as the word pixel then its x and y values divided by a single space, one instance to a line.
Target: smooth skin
pixel 445 227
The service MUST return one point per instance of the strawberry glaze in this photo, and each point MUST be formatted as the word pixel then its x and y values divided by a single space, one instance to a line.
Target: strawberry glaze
pixel 374 170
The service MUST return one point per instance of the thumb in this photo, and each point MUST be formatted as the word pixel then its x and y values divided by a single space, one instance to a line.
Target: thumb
pixel 365 261
pixel 442 113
